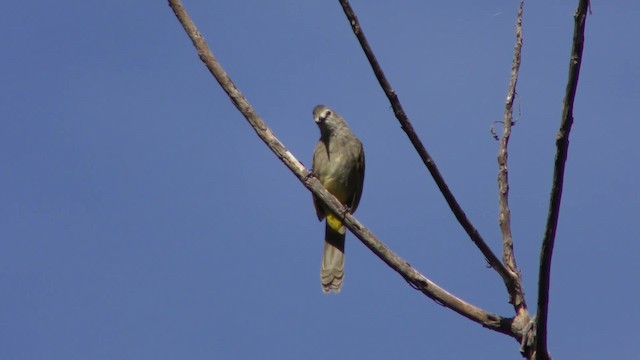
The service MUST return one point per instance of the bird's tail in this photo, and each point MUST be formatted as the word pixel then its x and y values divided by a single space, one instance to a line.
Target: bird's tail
pixel 333 259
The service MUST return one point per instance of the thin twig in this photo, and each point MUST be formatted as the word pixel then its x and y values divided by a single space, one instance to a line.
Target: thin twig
pixel 508 278
pixel 562 144
pixel 504 217
pixel 417 280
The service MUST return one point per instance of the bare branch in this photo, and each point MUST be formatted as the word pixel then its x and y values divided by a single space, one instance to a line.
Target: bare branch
pixel 562 144
pixel 417 280
pixel 508 278
pixel 516 294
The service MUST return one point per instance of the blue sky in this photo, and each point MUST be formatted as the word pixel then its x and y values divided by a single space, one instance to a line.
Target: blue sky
pixel 141 217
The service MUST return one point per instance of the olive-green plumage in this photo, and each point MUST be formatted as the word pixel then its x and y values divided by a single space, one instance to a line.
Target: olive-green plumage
pixel 338 161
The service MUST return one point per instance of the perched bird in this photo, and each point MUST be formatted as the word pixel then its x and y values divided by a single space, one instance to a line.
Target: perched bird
pixel 338 161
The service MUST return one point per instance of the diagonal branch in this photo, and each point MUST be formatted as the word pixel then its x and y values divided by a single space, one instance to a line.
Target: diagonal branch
pixel 562 144
pixel 504 217
pixel 412 276
pixel 508 277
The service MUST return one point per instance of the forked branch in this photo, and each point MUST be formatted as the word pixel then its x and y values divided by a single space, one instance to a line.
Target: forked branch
pixel 507 276
pixel 412 276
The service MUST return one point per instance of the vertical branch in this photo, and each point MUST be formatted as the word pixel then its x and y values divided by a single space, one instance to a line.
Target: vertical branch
pixel 562 144
pixel 460 215
pixel 504 217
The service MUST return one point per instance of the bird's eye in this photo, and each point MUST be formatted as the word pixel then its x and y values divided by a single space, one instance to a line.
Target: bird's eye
pixel 326 114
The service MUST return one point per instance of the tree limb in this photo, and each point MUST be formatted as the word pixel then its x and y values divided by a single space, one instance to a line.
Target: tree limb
pixel 516 294
pixel 417 280
pixel 508 277
pixel 562 144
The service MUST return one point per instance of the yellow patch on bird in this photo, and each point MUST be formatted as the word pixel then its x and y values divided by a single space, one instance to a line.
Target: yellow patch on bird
pixel 340 193
pixel 335 223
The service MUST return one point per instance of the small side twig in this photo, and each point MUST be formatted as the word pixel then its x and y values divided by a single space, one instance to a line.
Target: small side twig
pixel 412 276
pixel 516 294
pixel 460 215
pixel 562 145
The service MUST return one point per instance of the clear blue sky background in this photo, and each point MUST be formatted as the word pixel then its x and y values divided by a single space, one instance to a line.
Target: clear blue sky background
pixel 141 217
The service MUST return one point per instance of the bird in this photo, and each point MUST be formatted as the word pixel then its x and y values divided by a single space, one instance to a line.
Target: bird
pixel 338 162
